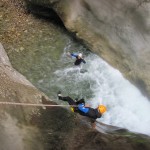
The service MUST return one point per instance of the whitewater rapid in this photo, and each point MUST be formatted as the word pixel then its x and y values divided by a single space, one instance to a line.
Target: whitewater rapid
pixel 102 84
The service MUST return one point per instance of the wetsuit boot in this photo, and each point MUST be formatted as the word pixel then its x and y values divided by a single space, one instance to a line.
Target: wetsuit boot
pixel 59 95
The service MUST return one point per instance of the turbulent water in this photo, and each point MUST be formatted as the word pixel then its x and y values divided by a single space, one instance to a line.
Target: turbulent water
pixel 127 107
pixel 102 84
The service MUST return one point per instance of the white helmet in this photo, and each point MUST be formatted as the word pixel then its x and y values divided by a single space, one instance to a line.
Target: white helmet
pixel 80 55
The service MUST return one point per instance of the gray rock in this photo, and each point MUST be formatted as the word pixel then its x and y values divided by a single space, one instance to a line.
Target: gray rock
pixel 16 132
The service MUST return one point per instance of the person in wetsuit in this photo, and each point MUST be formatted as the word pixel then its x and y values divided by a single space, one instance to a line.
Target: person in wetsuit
pixel 82 109
pixel 79 58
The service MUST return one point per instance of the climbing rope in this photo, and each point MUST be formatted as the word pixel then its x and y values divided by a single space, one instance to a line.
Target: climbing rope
pixel 35 105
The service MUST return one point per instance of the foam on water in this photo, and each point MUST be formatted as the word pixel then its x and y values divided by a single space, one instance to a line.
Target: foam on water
pixel 127 107
pixel 102 84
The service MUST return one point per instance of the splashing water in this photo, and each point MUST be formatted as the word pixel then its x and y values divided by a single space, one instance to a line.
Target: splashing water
pixel 102 84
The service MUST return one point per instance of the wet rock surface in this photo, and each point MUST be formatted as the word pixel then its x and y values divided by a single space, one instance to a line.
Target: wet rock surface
pixel 16 132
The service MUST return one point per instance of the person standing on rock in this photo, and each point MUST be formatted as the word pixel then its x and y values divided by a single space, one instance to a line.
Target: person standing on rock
pixel 84 110
pixel 79 58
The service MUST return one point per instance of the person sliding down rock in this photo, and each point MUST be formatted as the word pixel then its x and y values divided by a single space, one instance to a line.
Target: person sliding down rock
pixel 79 58
pixel 84 110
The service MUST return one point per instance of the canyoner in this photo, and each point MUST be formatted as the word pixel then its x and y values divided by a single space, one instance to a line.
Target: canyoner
pixel 83 109
pixel 79 60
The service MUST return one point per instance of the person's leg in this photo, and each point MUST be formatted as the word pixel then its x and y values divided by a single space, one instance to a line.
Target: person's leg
pixel 80 101
pixel 93 124
pixel 67 99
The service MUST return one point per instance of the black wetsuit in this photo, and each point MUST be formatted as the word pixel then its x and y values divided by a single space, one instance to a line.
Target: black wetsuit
pixel 92 113
pixel 79 61
pixel 71 101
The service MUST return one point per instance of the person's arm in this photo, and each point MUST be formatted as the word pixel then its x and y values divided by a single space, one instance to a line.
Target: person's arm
pixel 93 124
pixel 73 55
pixel 83 61
pixel 82 108
pixel 87 105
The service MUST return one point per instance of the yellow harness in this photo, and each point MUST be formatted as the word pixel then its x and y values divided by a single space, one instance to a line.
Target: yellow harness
pixel 72 109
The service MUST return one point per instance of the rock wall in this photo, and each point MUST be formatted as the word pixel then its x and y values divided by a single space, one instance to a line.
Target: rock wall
pixel 16 132
pixel 118 31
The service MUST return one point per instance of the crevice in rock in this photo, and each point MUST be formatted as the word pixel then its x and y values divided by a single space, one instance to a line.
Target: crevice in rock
pixel 48 14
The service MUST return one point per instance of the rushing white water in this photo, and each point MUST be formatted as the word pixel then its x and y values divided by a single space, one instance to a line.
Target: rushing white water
pixel 127 107
pixel 102 84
